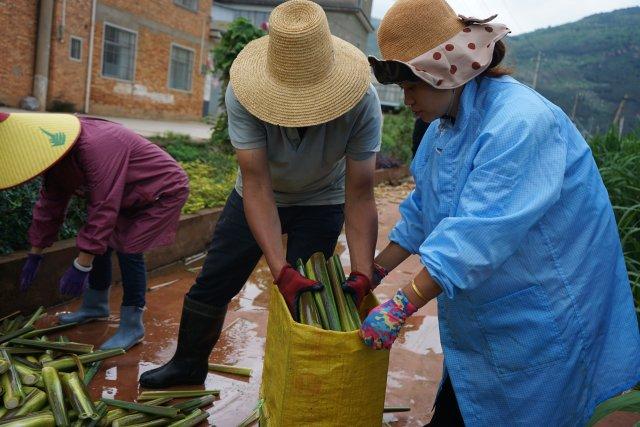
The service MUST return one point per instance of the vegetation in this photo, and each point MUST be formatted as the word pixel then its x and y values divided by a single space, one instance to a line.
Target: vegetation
pixel 397 131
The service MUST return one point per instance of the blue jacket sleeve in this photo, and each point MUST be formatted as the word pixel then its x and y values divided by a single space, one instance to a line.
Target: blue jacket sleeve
pixel 517 176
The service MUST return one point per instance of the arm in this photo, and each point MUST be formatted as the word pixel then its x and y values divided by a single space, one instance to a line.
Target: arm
pixel 48 215
pixel 260 206
pixel 361 217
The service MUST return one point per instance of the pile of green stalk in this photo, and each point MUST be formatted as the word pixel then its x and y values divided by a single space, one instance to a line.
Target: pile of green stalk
pixel 43 382
pixel 332 308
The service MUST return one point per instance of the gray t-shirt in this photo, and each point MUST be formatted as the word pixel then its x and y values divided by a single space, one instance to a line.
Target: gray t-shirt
pixel 311 170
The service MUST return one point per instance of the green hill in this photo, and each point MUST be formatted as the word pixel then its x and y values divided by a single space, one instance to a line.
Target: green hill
pixel 597 57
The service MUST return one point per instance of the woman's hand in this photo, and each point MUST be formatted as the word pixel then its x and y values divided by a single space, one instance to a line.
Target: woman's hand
pixel 382 326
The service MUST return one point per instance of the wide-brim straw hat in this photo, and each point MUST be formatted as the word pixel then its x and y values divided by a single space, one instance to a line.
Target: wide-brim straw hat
pixel 30 143
pixel 299 75
pixel 426 39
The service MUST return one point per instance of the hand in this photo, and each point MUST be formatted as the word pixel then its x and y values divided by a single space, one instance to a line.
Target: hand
pixel 30 270
pixel 358 285
pixel 74 281
pixel 291 284
pixel 379 273
pixel 381 327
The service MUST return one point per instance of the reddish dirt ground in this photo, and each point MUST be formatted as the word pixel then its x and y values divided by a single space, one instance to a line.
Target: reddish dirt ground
pixel 415 362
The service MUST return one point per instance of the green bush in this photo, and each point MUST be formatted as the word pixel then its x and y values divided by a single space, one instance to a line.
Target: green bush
pixel 397 131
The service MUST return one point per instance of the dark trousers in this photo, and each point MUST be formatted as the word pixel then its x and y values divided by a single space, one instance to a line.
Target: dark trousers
pixel 234 252
pixel 134 276
pixel 447 412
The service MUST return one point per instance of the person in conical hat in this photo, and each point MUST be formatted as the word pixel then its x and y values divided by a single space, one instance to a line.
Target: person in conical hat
pixel 134 192
pixel 305 122
pixel 514 230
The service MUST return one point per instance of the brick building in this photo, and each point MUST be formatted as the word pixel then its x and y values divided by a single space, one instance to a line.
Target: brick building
pixel 146 56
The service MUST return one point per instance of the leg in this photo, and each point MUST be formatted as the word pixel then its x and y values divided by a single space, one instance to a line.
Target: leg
pixel 313 229
pixel 447 413
pixel 134 284
pixel 231 258
pixel 95 300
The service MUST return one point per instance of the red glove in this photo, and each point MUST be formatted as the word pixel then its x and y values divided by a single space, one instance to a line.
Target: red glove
pixel 291 284
pixel 358 285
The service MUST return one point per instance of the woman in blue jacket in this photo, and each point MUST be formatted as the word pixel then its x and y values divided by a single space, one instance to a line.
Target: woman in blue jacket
pixel 514 229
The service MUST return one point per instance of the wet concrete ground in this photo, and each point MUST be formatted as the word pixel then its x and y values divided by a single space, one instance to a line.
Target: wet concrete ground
pixel 415 362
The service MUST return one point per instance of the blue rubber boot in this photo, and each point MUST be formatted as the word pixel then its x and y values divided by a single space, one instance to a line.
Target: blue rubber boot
pixel 131 330
pixel 95 306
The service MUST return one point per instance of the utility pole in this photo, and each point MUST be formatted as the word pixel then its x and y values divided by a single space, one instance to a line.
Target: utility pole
pixel 535 76
pixel 618 115
pixel 575 106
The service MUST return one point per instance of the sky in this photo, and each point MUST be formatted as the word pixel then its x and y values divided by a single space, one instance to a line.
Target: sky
pixel 522 16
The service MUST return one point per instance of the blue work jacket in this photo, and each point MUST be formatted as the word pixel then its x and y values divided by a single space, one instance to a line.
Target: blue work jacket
pixel 510 216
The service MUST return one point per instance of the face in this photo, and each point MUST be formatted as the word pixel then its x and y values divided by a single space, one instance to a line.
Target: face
pixel 425 101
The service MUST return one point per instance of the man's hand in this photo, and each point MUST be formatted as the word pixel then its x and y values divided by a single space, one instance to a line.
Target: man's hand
pixel 291 284
pixel 358 285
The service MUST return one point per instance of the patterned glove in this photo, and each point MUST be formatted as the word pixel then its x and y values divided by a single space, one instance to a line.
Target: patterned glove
pixel 29 271
pixel 381 327
pixel 74 281
pixel 291 284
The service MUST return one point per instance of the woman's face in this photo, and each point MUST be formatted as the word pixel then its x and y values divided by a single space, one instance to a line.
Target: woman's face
pixel 425 101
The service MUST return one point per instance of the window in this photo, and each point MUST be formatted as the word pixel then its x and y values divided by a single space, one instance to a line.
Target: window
pixel 188 4
pixel 118 54
pixel 75 48
pixel 181 68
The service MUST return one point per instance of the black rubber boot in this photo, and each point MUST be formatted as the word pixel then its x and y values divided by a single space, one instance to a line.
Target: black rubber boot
pixel 200 328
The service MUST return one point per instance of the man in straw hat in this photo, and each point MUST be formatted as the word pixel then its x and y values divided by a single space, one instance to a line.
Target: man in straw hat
pixel 515 231
pixel 134 191
pixel 305 122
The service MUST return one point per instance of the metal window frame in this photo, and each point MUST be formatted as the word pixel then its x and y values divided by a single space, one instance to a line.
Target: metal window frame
pixel 71 40
pixel 184 6
pixel 193 62
pixel 135 52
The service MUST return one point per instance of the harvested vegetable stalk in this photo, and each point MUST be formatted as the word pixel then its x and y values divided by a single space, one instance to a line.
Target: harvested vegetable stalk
pixel 91 372
pixel 4 366
pixel 195 403
pixel 390 409
pixel 131 419
pixel 236 370
pixel 252 418
pixel 78 396
pixel 27 375
pixel 35 316
pixel 146 395
pixel 68 362
pixel 163 411
pixel 193 419
pixel 11 335
pixel 355 315
pixel 112 415
pixel 317 297
pixel 66 347
pixel 38 419
pixel 39 332
pixel 154 423
pixel 346 320
pixel 35 401
pixel 318 265
pixel 101 410
pixel 13 393
pixel 53 388
pixel 9 397
pixel 309 314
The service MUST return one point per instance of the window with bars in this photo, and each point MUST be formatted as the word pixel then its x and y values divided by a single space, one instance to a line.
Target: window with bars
pixel 188 4
pixel 181 68
pixel 118 53
pixel 75 48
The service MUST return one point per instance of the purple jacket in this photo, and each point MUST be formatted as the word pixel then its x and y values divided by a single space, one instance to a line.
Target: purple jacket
pixel 134 191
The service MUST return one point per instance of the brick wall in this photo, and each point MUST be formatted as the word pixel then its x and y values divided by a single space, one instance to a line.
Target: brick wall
pixel 67 77
pixel 158 24
pixel 18 29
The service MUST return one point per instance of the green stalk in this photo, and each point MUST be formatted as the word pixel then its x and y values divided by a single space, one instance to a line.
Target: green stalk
pixel 38 419
pixel 355 314
pixel 9 316
pixel 253 417
pixel 4 366
pixel 91 372
pixel 3 412
pixel 68 362
pixel 318 264
pixel 163 411
pixel 53 388
pixel 11 335
pixel 111 416
pixel 101 410
pixel 317 297
pixel 28 362
pixel 13 386
pixel 346 320
pixel 21 350
pixel 396 409
pixel 66 347
pixel 306 306
pixel 195 403
pixel 176 394
pixel 27 375
pixel 9 397
pixel 154 423
pixel 131 419
pixel 34 402
pixel 78 396
pixel 44 357
pixel 35 316
pixel 44 331
pixel 236 370
pixel 193 419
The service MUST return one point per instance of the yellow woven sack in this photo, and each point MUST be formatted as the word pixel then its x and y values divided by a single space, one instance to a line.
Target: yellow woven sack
pixel 313 377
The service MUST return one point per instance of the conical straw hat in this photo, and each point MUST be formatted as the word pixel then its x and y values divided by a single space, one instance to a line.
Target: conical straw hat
pixel 299 75
pixel 30 143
